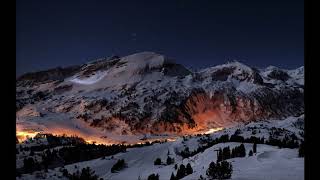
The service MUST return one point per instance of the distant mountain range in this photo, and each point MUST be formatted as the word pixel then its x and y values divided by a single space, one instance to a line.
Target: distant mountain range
pixel 148 93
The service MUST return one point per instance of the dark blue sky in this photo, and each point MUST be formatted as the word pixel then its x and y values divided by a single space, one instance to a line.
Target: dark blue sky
pixel 196 33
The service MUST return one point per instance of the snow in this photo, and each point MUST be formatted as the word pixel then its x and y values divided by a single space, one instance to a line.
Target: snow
pixel 91 79
pixel 129 72
pixel 269 162
pixel 283 163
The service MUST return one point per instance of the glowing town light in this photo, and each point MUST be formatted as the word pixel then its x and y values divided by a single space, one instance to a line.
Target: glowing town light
pixel 212 130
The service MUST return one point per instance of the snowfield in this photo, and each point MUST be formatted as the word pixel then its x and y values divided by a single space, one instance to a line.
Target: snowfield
pixel 270 162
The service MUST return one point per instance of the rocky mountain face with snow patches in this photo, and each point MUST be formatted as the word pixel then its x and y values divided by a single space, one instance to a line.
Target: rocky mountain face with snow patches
pixel 150 93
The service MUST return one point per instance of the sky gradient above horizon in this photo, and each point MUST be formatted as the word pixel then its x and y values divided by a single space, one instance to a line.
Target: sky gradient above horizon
pixel 195 33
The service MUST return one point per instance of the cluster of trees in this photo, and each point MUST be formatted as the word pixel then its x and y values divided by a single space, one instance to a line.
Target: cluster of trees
pixel 182 172
pixel 118 166
pixel 159 162
pixel 30 165
pixel 85 152
pixel 207 143
pixel 50 159
pixel 226 153
pixel 287 142
pixel 153 177
pixel 252 139
pixel 219 170
pixel 86 174
pixel 53 141
pixel 68 155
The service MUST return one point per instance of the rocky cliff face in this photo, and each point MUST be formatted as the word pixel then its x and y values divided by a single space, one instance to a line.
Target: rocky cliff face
pixel 149 93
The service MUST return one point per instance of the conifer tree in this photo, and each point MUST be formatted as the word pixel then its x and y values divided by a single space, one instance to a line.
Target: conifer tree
pixel 254 147
pixel 172 177
pixel 250 153
pixel 220 155
pixel 181 172
pixel 301 149
pixel 153 177
pixel 157 161
pixel 189 169
pixel 242 150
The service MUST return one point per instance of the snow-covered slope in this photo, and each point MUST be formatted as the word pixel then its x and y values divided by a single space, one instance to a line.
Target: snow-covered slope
pixel 147 93
pixel 270 162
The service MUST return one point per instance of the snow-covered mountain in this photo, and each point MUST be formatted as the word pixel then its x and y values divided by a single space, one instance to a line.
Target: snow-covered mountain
pixel 147 93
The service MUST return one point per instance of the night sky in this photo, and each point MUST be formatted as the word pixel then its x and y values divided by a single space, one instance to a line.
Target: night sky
pixel 196 33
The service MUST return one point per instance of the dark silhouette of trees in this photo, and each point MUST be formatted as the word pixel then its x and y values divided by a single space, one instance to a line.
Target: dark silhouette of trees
pixel 30 165
pixel 236 138
pixel 189 169
pixel 173 177
pixel 224 138
pixel 184 171
pixel 84 152
pixel 181 172
pixel 287 142
pixel 250 153
pixel 220 170
pixel 120 164
pixel 86 174
pixel 157 161
pixel 301 149
pixel 170 160
pixel 238 151
pixel 153 177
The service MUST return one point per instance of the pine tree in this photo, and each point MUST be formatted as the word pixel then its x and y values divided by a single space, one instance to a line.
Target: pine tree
pixel 118 166
pixel 189 169
pixel 176 166
pixel 250 153
pixel 220 155
pixel 225 170
pixel 170 160
pixel 157 161
pixel 153 177
pixel 301 149
pixel 211 171
pixel 226 153
pixel 172 177
pixel 181 172
pixel 254 147
pixel 242 150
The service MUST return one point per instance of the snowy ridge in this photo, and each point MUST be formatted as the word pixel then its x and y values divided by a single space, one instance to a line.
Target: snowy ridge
pixel 147 93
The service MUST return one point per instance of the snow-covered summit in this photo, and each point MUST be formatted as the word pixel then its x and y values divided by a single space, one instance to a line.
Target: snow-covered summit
pixel 149 93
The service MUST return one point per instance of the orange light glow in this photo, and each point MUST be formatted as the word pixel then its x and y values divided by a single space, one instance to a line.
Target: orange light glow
pixel 212 130
pixel 24 135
